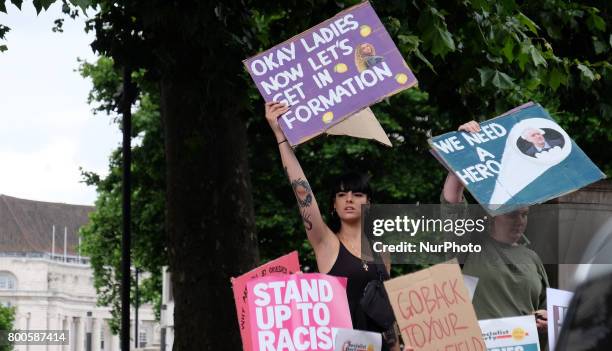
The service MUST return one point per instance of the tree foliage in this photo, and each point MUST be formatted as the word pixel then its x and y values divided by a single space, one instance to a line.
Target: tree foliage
pixel 187 52
pixel 474 59
pixel 72 8
pixel 7 318
pixel 102 236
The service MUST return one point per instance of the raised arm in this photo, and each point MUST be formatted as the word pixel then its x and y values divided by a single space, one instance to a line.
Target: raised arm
pixel 453 188
pixel 316 230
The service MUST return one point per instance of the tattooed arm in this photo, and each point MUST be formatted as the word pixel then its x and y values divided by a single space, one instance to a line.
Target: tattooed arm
pixel 317 231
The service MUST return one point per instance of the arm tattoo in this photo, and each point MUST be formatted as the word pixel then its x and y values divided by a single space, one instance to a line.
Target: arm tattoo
pixel 306 219
pixel 302 192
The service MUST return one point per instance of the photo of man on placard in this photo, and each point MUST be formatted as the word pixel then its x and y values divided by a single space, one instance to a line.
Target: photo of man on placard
pixel 535 140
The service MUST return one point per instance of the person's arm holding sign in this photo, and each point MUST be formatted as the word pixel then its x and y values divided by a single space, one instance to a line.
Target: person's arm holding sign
pixel 453 188
pixel 325 243
pixel 319 235
pixel 541 320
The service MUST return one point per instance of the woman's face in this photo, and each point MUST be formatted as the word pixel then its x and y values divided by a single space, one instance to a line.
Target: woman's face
pixel 366 49
pixel 348 205
pixel 510 227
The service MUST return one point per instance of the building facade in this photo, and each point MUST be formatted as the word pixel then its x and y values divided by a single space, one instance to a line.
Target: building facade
pixel 167 313
pixel 51 285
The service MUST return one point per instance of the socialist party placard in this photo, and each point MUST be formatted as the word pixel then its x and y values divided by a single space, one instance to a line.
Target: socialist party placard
pixel 510 334
pixel 330 72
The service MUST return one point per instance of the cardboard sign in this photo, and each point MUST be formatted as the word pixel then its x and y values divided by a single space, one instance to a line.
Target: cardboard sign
pixel 433 309
pixel 297 312
pixel 330 72
pixel 357 340
pixel 557 303
pixel 510 334
pixel 362 124
pixel 287 264
pixel 520 158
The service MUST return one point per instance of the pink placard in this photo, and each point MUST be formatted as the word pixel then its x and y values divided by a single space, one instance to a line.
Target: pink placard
pixel 297 312
pixel 287 264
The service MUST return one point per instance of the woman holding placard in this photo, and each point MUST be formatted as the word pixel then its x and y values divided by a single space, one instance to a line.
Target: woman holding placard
pixel 518 285
pixel 337 250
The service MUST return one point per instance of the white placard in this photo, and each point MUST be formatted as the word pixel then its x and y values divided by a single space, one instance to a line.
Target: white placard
pixel 470 283
pixel 357 340
pixel 557 302
pixel 510 334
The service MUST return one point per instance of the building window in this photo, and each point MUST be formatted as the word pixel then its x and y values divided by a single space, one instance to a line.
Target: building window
pixel 142 338
pixel 7 281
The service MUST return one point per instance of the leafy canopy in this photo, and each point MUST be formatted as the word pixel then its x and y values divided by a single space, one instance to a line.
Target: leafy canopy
pixel 69 7
pixel 474 59
pixel 7 318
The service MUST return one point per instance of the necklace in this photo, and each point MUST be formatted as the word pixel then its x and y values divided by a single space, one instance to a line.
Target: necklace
pixel 364 264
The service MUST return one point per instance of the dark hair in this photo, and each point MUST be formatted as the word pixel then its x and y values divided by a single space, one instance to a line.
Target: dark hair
pixel 351 181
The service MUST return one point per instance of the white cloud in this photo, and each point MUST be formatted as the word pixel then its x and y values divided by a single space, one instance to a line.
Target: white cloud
pixel 50 173
pixel 47 130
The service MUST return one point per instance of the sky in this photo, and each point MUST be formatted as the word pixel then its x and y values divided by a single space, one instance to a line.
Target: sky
pixel 47 129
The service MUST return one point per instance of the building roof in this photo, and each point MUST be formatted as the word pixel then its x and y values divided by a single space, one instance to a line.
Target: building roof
pixel 599 192
pixel 27 225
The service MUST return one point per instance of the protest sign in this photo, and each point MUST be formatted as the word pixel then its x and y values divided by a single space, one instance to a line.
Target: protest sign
pixel 510 334
pixel 330 72
pixel 362 124
pixel 557 303
pixel 287 264
pixel 357 340
pixel 470 283
pixel 433 309
pixel 297 312
pixel 520 158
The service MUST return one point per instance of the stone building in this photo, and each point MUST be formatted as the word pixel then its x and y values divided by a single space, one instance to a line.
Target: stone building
pixel 50 284
pixel 167 313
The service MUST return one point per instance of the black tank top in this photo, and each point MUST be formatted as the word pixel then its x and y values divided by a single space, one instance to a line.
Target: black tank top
pixel 349 266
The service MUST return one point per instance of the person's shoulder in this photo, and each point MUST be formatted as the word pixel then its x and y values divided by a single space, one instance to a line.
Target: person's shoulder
pixel 554 141
pixel 531 151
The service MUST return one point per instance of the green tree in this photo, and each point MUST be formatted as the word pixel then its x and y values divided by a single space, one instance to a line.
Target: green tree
pixel 474 59
pixel 7 318
pixel 102 236
pixel 71 8
pixel 189 54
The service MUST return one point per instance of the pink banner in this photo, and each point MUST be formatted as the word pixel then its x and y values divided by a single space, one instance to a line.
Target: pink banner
pixel 287 264
pixel 297 312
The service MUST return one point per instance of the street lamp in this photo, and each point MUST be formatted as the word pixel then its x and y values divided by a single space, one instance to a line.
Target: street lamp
pixel 136 336
pixel 88 328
